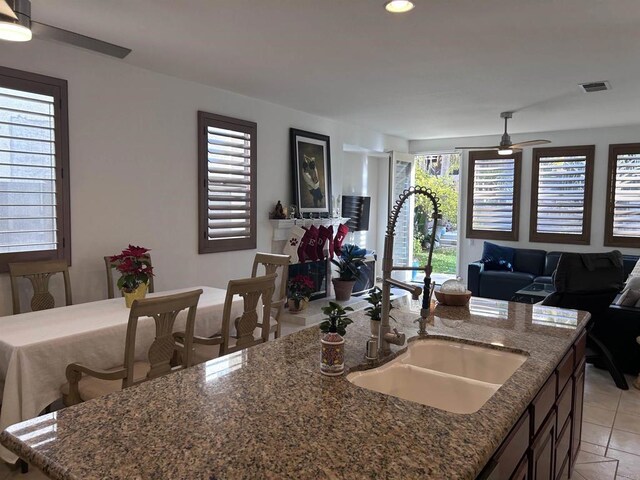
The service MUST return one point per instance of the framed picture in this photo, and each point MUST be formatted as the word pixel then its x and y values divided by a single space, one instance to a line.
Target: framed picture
pixel 311 161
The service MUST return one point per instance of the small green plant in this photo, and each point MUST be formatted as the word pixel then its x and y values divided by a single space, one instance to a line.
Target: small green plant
pixel 349 263
pixel 374 312
pixel 337 319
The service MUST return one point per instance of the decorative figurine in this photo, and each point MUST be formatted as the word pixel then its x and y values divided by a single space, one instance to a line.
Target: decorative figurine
pixel 279 212
pixel 292 211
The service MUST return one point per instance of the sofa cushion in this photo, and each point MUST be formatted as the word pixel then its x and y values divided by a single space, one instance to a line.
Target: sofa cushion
pixel 529 261
pixel 630 262
pixel 503 285
pixel 497 257
pixel 546 279
pixel 551 263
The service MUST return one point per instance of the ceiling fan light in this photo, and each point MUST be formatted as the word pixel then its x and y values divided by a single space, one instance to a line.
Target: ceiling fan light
pixel 17 29
pixel 505 151
pixel 399 6
pixel 14 32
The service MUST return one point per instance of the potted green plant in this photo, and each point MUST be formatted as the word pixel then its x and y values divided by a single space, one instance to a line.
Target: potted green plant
pixel 135 269
pixel 349 264
pixel 334 326
pixel 374 312
pixel 300 287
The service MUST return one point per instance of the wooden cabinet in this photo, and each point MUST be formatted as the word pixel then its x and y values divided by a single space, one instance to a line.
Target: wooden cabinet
pixel 544 442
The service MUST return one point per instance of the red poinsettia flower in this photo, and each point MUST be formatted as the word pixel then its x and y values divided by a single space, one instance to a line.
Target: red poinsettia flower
pixel 134 265
pixel 134 251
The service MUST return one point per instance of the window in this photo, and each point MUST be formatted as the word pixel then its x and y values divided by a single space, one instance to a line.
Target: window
pixel 34 168
pixel 227 174
pixel 561 190
pixel 622 220
pixel 493 195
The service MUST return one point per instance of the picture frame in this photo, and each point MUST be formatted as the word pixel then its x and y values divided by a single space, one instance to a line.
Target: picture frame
pixel 311 171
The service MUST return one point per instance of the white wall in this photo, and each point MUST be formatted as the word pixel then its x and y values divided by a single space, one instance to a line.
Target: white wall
pixel 471 250
pixel 133 162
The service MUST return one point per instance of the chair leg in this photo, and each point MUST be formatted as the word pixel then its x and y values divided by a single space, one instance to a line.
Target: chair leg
pixel 24 466
pixel 607 358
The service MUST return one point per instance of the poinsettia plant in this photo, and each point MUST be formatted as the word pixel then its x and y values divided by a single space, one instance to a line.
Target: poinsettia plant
pixel 134 266
pixel 300 287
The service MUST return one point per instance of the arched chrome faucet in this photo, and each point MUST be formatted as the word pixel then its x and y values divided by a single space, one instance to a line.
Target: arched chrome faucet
pixel 386 336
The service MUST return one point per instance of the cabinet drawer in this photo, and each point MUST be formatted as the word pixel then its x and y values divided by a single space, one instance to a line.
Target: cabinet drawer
pixel 580 348
pixel 565 369
pixel 565 404
pixel 542 404
pixel 512 449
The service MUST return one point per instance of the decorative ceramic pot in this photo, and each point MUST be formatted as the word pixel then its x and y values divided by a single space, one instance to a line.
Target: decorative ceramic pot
pixel 138 294
pixel 375 327
pixel 332 361
pixel 343 288
pixel 297 305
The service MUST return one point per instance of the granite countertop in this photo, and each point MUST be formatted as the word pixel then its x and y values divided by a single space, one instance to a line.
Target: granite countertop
pixel 268 413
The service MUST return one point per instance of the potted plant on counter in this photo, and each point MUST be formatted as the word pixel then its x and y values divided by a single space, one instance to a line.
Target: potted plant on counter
pixel 334 326
pixel 135 269
pixel 300 287
pixel 349 264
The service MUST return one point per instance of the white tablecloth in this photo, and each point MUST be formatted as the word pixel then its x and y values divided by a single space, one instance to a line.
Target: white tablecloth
pixel 36 347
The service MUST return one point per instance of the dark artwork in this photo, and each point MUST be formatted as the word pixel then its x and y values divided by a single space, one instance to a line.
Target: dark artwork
pixel 312 175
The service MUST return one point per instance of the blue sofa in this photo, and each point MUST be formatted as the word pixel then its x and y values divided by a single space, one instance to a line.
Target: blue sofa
pixel 618 331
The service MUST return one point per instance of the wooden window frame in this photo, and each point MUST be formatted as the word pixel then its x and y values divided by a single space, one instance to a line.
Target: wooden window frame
pixel 588 151
pixel 515 214
pixel 57 88
pixel 205 245
pixel 609 239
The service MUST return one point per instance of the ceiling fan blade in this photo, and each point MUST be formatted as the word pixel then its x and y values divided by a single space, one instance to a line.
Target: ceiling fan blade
pixel 43 30
pixel 530 143
pixel 6 10
pixel 495 147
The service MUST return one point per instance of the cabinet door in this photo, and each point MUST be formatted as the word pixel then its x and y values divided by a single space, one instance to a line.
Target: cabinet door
pixel 578 398
pixel 543 450
pixel 522 472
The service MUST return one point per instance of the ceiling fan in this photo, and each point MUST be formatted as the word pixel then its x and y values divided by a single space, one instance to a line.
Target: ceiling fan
pixel 506 147
pixel 16 25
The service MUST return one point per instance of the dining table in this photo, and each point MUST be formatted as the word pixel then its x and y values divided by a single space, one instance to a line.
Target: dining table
pixel 36 347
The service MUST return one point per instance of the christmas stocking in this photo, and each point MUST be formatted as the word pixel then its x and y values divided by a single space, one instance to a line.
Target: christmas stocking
pixel 293 241
pixel 311 249
pixel 339 239
pixel 326 237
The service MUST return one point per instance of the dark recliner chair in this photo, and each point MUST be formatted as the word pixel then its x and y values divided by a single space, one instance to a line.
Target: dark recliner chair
pixel 590 282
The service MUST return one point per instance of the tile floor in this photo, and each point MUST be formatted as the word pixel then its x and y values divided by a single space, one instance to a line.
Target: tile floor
pixel 610 433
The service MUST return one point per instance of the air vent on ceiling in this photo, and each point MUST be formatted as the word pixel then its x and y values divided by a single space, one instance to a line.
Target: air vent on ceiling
pixel 595 87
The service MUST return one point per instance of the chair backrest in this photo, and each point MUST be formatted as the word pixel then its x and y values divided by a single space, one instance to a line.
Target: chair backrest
pixel 252 290
pixel 587 281
pixel 110 266
pixel 164 311
pixel 39 273
pixel 278 264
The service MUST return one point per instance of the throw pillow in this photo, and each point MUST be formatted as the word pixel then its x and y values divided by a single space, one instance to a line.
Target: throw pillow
pixel 497 257
pixel 629 298
pixel 635 273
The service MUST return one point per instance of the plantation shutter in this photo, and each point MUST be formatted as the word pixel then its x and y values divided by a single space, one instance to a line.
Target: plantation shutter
pixel 402 176
pixel 562 194
pixel 493 196
pixel 623 210
pixel 228 183
pixel 32 160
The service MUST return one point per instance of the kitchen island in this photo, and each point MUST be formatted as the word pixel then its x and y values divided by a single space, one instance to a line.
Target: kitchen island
pixel 267 412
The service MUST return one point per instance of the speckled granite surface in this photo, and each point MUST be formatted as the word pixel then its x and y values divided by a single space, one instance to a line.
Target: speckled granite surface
pixel 268 413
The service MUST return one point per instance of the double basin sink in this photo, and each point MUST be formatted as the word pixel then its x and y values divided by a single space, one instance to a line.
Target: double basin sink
pixel 449 375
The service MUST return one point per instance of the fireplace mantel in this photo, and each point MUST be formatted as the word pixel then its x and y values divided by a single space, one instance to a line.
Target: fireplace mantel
pixel 281 227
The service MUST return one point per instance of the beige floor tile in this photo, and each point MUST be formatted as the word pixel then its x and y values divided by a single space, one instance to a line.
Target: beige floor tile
pixel 32 474
pixel 586 457
pixel 596 434
pixel 5 470
pixel 598 416
pixel 628 464
pixel 625 441
pixel 598 471
pixel 591 448
pixel 630 402
pixel 627 422
pixel 607 401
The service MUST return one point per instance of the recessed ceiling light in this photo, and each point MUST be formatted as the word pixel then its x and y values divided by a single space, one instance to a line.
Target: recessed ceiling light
pixel 399 6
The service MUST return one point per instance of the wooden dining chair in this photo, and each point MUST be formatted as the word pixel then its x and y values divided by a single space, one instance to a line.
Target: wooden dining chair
pixel 84 383
pixel 110 266
pixel 252 290
pixel 39 273
pixel 278 264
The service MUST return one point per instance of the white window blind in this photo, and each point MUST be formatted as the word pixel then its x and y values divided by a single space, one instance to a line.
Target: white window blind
pixel 623 215
pixel 561 194
pixel 229 183
pixel 493 195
